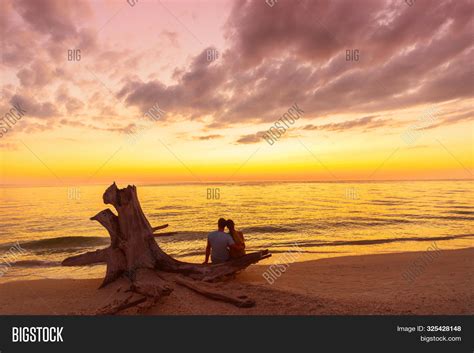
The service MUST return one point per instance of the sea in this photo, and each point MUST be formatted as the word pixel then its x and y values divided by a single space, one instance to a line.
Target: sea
pixel 41 226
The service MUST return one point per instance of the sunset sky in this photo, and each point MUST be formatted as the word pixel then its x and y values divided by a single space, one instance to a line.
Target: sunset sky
pixel 85 123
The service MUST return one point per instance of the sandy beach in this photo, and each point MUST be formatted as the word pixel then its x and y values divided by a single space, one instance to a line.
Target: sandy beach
pixel 352 285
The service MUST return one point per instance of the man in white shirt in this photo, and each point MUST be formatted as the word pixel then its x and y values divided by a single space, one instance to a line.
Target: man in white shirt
pixel 218 244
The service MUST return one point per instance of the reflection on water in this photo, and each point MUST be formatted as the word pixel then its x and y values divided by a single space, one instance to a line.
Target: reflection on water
pixel 324 219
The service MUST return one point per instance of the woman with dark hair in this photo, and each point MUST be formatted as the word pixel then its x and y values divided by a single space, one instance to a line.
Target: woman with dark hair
pixel 238 249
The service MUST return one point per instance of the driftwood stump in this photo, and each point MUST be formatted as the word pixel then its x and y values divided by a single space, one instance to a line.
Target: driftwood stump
pixel 134 254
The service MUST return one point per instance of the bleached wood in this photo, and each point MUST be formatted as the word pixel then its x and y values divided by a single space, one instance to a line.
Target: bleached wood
pixel 135 254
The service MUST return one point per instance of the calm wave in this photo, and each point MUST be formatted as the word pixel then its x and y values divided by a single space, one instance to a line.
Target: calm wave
pixel 336 218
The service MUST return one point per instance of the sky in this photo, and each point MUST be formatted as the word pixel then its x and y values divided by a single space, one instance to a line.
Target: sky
pixel 186 91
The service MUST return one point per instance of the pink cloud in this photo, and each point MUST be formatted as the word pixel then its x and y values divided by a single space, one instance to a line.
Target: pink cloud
pixel 292 52
pixel 56 18
pixel 296 51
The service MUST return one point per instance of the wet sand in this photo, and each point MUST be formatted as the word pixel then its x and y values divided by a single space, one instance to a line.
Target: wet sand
pixel 352 285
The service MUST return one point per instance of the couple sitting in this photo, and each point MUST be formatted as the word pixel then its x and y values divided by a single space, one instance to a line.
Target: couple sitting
pixel 223 246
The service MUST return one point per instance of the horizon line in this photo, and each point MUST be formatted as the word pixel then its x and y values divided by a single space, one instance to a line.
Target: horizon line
pixel 240 182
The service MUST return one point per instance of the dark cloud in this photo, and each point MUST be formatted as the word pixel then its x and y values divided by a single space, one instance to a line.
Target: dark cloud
pixel 451 120
pixel 124 129
pixel 293 51
pixel 171 37
pixel 38 75
pixel 194 95
pixel 251 138
pixel 208 137
pixel 55 18
pixel 367 123
pixel 296 51
pixel 71 104
pixel 34 108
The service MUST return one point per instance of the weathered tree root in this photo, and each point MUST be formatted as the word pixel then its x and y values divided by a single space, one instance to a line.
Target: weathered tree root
pixel 150 287
pixel 118 305
pixel 134 254
pixel 212 292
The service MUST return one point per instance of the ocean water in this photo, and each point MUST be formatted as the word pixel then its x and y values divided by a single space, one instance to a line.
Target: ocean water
pixel 43 225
